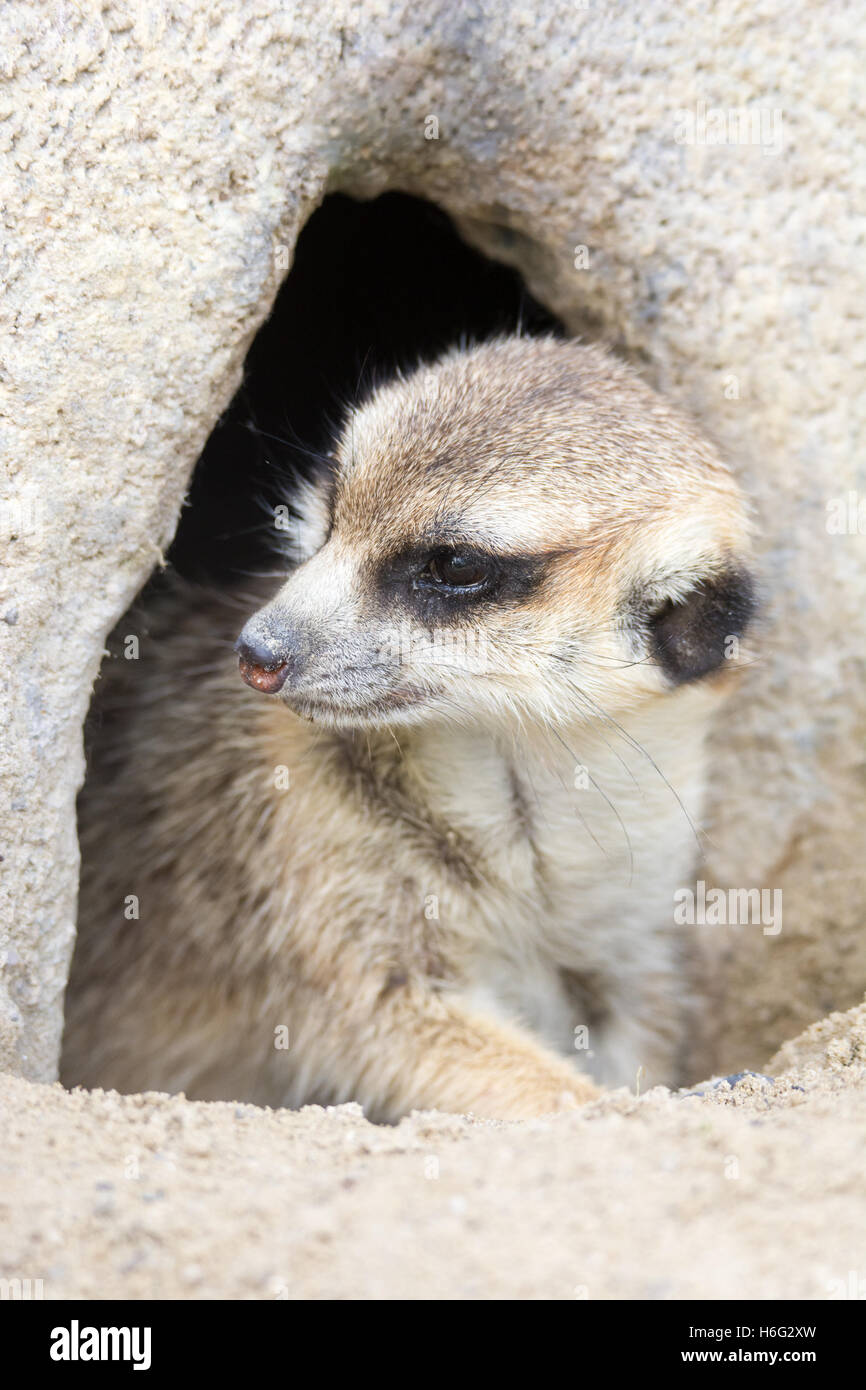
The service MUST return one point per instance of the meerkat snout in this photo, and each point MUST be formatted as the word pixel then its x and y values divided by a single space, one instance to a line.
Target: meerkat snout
pixel 521 529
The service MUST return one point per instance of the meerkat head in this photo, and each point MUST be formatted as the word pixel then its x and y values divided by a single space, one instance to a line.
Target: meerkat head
pixel 523 528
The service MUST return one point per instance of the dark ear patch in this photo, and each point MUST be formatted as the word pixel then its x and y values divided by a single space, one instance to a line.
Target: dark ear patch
pixel 689 636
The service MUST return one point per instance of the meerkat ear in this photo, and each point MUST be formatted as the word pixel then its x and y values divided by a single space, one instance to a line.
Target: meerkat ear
pixel 691 636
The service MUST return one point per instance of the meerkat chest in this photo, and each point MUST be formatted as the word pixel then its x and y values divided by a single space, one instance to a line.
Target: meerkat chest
pixel 561 834
pixel 578 853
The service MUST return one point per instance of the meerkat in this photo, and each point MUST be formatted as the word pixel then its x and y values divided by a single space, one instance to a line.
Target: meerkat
pixel 424 853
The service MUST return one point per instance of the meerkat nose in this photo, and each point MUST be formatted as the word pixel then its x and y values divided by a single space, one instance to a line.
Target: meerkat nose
pixel 269 679
pixel 259 665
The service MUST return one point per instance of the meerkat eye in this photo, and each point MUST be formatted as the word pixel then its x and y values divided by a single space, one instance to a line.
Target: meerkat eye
pixel 451 570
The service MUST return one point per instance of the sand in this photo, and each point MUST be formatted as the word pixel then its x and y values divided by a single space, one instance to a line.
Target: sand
pixel 753 1190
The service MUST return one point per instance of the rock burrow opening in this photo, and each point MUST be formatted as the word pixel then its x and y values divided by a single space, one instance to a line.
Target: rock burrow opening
pixel 373 286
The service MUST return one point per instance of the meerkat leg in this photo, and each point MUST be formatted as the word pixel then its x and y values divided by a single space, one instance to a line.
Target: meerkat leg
pixel 627 1053
pixel 639 1042
pixel 418 1050
pixel 402 1048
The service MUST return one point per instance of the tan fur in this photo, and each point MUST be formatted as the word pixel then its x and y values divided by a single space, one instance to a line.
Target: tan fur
pixel 432 906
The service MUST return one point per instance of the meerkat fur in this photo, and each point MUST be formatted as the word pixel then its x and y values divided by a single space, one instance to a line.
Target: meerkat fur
pixel 429 859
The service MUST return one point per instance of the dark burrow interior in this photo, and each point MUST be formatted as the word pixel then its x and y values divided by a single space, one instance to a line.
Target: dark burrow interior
pixel 373 286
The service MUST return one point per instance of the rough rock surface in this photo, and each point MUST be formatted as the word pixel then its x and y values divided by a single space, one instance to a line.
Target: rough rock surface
pixel 754 1191
pixel 156 163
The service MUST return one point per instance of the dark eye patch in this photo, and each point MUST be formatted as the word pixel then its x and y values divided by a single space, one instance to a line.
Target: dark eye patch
pixel 446 581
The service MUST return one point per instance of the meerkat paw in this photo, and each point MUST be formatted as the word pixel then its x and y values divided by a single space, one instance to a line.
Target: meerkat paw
pixel 500 1073
pixel 543 1096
